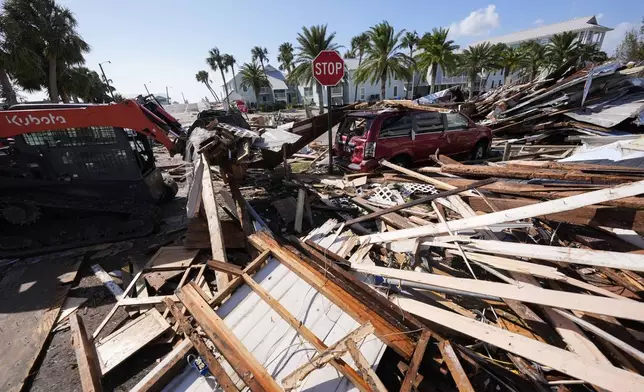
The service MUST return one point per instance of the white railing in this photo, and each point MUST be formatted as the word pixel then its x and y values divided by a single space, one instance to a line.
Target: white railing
pixel 336 91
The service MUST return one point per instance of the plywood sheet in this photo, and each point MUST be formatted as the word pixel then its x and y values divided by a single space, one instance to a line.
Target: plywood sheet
pixel 31 297
pixel 169 256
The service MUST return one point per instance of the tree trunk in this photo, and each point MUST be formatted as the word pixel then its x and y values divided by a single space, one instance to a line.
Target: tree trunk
pixel 53 87
pixel 269 83
pixel 7 88
pixel 383 87
pixel 257 99
pixel 63 95
pixel 410 83
pixel 212 91
pixel 355 96
pixel 234 78
pixel 506 71
pixel 434 73
pixel 226 104
pixel 320 96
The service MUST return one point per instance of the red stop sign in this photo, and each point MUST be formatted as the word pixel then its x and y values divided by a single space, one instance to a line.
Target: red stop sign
pixel 328 68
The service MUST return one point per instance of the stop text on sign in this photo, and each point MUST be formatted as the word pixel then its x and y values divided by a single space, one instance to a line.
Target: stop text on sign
pixel 329 68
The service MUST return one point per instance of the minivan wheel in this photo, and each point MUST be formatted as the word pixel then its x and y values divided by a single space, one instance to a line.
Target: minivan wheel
pixel 401 160
pixel 479 150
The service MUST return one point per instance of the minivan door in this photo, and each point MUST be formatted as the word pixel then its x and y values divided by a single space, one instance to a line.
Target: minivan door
pixel 458 135
pixel 395 137
pixel 429 134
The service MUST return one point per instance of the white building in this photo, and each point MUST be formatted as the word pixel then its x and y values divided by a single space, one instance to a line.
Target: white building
pixel 276 78
pixel 587 29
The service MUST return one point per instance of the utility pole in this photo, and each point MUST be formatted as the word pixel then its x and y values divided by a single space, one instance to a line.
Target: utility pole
pixel 107 81
pixel 184 98
pixel 167 96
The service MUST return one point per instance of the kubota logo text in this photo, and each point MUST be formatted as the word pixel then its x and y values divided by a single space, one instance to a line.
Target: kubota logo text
pixel 35 120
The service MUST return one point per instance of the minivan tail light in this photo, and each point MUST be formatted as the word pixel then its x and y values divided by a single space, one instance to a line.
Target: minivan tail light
pixel 369 150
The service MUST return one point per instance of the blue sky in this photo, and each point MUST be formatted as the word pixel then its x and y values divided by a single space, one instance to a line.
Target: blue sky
pixel 164 43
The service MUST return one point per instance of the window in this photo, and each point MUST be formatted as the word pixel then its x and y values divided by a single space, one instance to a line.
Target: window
pixel 395 91
pixel 264 98
pixel 396 126
pixel 493 81
pixel 456 121
pixel 308 91
pixel 264 90
pixel 245 89
pixel 429 122
pixel 362 93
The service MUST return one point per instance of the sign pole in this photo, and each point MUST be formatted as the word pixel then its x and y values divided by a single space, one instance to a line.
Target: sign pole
pixel 328 98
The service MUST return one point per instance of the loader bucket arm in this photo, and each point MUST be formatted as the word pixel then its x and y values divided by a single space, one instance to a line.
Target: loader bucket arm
pixel 127 114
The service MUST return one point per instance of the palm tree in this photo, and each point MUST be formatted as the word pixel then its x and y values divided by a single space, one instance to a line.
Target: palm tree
pixel 202 76
pixel 384 59
pixel 216 62
pixel 312 41
pixel 410 41
pixel 230 61
pixel 509 59
pixel 252 76
pixel 436 51
pixel 359 44
pixel 533 57
pixel 592 53
pixel 561 48
pixel 286 58
pixel 349 54
pixel 261 54
pixel 51 29
pixel 475 59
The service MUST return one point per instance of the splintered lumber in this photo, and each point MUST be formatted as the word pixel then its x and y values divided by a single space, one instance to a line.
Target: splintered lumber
pixel 601 375
pixel 165 258
pixel 392 219
pixel 530 211
pixel 362 303
pixel 88 367
pixel 31 296
pixel 455 367
pixel 631 310
pixel 305 332
pixel 422 200
pixel 437 183
pixel 365 368
pixel 522 172
pixel 214 226
pixel 597 258
pixel 416 359
pixel 214 366
pixel 299 211
pixel 224 267
pixel 124 342
pixel 242 361
pixel 163 372
pixel 335 351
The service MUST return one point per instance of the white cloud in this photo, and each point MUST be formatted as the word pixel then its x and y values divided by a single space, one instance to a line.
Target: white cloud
pixel 478 22
pixel 538 22
pixel 614 38
pixel 599 16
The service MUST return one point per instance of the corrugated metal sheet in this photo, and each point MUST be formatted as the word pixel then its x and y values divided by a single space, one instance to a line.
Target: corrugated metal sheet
pixel 607 114
pixel 271 340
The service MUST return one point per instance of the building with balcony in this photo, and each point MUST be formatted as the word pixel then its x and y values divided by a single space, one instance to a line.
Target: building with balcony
pixel 279 90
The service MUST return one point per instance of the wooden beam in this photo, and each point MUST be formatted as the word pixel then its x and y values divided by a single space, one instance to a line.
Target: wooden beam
pixel 88 366
pixel 437 183
pixel 631 310
pixel 299 212
pixel 163 372
pixel 531 211
pixel 245 364
pixel 223 379
pixel 306 333
pixel 392 218
pixel 422 200
pixel 214 226
pixel 365 367
pixel 335 351
pixel 604 376
pixel 386 330
pixel 224 267
pixel 455 368
pixel 417 358
pixel 616 217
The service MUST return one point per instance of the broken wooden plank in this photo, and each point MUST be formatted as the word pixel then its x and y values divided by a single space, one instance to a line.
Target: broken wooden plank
pixel 455 367
pixel 31 298
pixel 167 257
pixel 86 358
pixel 124 342
pixel 214 226
pixel 162 373
pixel 604 376
pixel 437 183
pixel 416 359
pixel 306 333
pixel 245 364
pixel 631 310
pixel 334 351
pixel 299 211
pixel 548 207
pixel 214 366
pixel 392 219
pixel 224 267
pixel 364 367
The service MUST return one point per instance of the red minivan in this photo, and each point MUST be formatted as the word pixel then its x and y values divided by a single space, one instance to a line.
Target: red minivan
pixel 406 137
